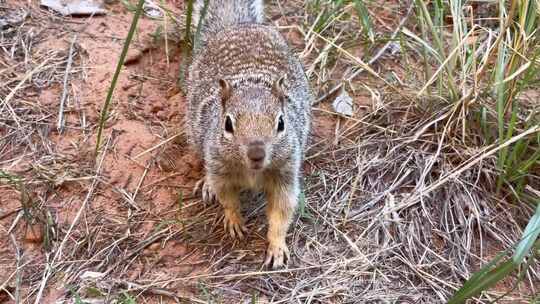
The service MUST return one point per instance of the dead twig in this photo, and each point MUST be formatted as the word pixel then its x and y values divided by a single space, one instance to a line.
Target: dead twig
pixel 18 275
pixel 60 124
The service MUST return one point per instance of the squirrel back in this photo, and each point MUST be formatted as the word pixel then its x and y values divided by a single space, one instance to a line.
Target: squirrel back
pixel 219 15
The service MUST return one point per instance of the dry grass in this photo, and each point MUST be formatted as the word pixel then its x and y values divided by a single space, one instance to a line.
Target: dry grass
pixel 400 201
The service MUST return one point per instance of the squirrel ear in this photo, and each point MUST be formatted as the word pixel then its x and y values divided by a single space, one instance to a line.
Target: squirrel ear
pixel 226 90
pixel 277 88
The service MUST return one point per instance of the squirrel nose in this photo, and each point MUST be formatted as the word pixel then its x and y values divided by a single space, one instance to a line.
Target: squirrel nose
pixel 256 151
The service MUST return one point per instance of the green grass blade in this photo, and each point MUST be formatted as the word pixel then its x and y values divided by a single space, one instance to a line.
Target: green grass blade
pixel 365 19
pixel 512 125
pixel 196 40
pixel 186 46
pixel 188 21
pixel 425 46
pixel 528 15
pixel 490 274
pixel 520 277
pixel 529 237
pixel 484 124
pixel 527 164
pixel 302 210
pixel 483 282
pixel 500 89
pixel 105 109
pixel 130 7
pixel 484 271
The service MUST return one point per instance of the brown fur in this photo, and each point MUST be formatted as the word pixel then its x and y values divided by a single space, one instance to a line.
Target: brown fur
pixel 245 78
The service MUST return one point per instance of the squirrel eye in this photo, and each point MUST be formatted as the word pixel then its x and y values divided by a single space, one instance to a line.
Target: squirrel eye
pixel 229 124
pixel 281 124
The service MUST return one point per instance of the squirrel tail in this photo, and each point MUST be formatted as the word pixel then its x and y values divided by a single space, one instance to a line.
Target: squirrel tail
pixel 217 15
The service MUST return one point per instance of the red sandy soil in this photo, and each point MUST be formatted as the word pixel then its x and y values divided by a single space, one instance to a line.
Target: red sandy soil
pixel 146 105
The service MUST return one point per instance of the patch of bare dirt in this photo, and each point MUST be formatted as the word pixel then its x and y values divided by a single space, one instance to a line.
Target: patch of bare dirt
pixel 134 194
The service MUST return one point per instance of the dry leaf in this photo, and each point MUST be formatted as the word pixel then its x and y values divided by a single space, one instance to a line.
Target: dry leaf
pixel 343 104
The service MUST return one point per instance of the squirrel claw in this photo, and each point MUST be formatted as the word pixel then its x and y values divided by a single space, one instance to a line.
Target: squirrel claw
pixel 208 196
pixel 277 256
pixel 233 223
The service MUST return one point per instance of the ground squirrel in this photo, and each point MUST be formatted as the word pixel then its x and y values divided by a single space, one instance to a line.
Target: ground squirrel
pixel 249 115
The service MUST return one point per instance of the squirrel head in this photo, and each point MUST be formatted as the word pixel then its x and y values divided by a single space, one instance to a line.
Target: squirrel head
pixel 254 124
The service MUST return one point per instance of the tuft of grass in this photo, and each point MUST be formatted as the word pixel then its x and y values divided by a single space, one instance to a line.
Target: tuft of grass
pixel 32 212
pixel 517 63
pixel 466 67
pixel 512 70
pixel 26 202
pixel 434 26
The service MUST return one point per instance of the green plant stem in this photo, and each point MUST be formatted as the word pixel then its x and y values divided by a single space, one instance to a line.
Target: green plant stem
pixel 186 46
pixel 202 15
pixel 105 109
pixel 440 47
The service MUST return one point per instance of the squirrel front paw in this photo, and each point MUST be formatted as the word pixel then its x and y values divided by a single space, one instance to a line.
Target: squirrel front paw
pixel 277 255
pixel 234 224
pixel 208 194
